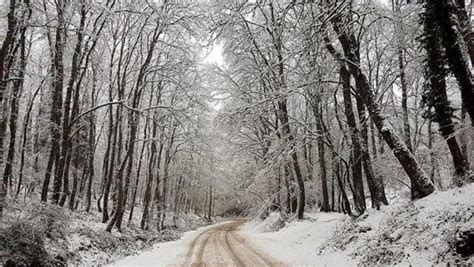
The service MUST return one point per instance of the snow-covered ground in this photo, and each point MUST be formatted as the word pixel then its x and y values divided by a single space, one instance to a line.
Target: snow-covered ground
pixel 55 236
pixel 164 254
pixel 298 243
pixel 405 233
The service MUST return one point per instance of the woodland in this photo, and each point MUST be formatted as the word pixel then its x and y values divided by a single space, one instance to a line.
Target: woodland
pixel 139 114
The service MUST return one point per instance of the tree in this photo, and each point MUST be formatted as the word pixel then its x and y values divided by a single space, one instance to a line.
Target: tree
pixel 421 185
pixel 436 95
pixel 57 65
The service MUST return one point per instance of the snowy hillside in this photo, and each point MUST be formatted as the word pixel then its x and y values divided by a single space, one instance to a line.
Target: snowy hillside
pixel 419 233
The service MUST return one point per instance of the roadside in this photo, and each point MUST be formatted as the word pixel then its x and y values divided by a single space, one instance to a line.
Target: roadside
pixel 43 234
pixel 297 243
pixel 435 230
pixel 221 244
pixel 165 254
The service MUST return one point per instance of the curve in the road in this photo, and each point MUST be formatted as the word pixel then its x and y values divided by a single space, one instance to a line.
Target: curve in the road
pixel 222 245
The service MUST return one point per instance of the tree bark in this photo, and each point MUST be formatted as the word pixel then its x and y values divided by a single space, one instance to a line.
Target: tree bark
pixel 17 89
pixel 375 183
pixel 399 31
pixel 325 207
pixel 57 102
pixel 149 180
pixel 359 194
pixel 437 97
pixel 421 185
pixel 444 12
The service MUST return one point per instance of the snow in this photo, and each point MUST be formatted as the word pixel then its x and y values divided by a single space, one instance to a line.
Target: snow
pixel 164 254
pixel 405 233
pixel 297 244
pixel 79 238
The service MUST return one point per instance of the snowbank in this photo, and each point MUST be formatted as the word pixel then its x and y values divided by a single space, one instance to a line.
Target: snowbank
pixel 298 242
pixel 405 233
pixel 77 238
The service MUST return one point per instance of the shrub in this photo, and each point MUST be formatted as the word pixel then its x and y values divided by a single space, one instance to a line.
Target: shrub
pixel 22 244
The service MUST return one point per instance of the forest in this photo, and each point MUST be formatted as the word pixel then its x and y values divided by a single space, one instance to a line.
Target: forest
pixel 129 123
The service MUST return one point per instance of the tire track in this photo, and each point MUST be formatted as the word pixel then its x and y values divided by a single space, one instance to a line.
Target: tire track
pixel 194 246
pixel 264 258
pixel 222 246
pixel 234 255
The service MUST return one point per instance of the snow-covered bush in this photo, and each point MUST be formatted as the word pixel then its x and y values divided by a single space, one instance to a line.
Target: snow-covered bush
pixel 22 244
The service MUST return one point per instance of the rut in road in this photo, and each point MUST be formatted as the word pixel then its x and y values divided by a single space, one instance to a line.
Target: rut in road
pixel 223 245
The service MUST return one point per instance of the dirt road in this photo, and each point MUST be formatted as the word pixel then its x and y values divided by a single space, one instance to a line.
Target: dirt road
pixel 222 245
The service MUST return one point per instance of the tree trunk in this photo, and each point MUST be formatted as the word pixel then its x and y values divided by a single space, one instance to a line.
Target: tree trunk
pixel 359 194
pixel 137 178
pixel 5 55
pixel 91 144
pixel 399 31
pixel 108 183
pixel 56 113
pixel 437 97
pixel 321 154
pixel 433 161
pixel 375 182
pixel 26 121
pixel 209 210
pixel 444 13
pixel 17 89
pixel 149 180
pixel 421 184
pixel 158 182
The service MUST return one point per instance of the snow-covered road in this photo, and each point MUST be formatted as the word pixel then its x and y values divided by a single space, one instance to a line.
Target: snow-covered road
pixel 235 243
pixel 225 245
pixel 221 244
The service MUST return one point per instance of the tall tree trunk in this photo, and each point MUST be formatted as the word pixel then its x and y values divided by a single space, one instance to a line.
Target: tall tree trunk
pixel 209 209
pixel 359 194
pixel 466 28
pixel 433 162
pixel 399 31
pixel 375 182
pixel 63 167
pixel 91 144
pixel 24 133
pixel 444 14
pixel 133 124
pixel 90 169
pixel 163 204
pixel 291 201
pixel 321 153
pixel 437 97
pixel 111 170
pixel 137 178
pixel 57 102
pixel 463 139
pixel 149 180
pixel 5 57
pixel 157 194
pixel 421 184
pixel 17 89
pixel 373 141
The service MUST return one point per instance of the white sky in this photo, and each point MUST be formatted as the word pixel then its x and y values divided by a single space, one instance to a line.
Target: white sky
pixel 215 55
